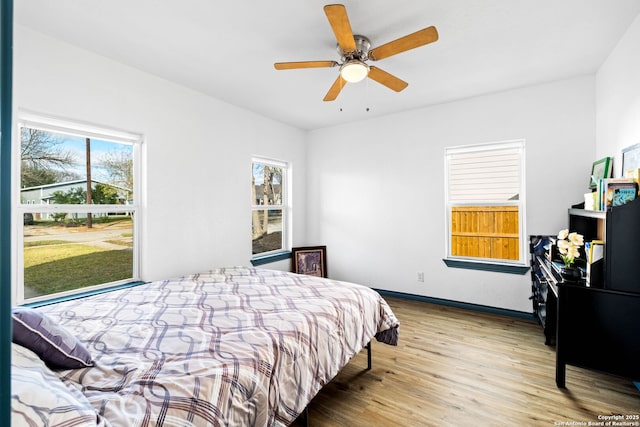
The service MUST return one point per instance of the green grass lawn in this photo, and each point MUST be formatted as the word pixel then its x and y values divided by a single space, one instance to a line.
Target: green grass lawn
pixel 121 242
pixel 50 269
pixel 45 242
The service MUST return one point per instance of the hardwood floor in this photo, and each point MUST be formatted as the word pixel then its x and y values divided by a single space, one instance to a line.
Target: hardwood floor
pixel 455 367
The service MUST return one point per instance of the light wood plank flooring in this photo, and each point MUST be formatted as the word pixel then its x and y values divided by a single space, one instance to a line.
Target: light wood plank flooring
pixel 456 367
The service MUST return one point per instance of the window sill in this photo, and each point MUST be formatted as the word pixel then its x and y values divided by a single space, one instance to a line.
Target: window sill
pixel 266 259
pixel 78 295
pixel 487 266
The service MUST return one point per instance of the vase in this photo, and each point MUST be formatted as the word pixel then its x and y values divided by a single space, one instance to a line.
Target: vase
pixel 570 274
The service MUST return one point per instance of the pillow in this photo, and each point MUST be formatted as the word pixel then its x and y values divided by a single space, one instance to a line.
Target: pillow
pixel 38 396
pixel 56 346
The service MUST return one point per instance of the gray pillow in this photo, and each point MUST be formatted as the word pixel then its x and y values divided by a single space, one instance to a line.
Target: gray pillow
pixel 56 346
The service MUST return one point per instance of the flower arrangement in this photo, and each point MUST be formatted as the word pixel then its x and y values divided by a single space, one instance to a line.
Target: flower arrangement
pixel 568 245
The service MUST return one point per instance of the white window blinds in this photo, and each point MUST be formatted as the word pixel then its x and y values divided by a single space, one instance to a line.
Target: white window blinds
pixel 484 173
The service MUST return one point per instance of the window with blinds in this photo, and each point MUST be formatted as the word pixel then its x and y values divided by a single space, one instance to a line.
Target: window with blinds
pixel 485 200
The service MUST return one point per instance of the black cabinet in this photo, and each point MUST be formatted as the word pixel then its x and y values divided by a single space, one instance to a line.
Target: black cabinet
pixel 599 327
pixel 622 248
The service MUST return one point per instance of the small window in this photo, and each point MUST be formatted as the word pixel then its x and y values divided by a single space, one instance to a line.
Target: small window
pixel 485 202
pixel 269 207
pixel 78 200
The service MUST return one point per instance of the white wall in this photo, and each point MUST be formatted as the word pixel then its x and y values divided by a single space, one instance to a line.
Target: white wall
pixel 376 188
pixel 197 150
pixel 618 98
pixel 371 191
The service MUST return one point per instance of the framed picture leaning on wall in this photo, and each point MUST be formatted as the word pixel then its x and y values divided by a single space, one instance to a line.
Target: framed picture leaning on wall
pixel 630 158
pixel 310 260
pixel 600 169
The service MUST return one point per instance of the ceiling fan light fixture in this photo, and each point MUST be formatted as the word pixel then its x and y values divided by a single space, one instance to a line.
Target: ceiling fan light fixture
pixel 354 71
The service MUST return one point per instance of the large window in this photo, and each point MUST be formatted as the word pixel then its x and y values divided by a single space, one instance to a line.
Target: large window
pixel 269 207
pixel 485 202
pixel 77 208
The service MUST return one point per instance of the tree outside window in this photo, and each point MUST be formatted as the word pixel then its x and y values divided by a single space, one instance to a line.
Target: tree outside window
pixel 77 190
pixel 268 204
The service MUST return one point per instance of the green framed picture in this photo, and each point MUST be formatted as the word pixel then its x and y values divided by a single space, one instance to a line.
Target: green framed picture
pixel 600 169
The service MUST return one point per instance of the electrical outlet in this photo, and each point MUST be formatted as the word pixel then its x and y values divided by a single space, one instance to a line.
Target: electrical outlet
pixel 420 276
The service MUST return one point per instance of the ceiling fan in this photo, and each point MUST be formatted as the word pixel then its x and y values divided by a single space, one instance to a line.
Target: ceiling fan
pixel 355 51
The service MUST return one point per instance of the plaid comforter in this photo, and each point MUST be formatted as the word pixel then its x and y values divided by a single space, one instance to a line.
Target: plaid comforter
pixel 229 347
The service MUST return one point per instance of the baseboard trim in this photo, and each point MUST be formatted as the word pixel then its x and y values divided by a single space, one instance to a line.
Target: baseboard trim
pixel 458 304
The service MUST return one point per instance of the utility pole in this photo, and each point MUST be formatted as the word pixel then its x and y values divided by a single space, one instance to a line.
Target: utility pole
pixel 89 217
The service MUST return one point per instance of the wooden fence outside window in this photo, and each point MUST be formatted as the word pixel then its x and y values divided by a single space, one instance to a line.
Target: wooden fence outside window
pixel 485 232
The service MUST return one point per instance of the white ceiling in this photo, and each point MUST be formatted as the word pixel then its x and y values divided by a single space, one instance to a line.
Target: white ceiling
pixel 227 49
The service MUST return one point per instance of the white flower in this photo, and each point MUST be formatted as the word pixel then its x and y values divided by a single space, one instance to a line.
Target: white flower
pixel 563 245
pixel 562 234
pixel 576 239
pixel 568 245
pixel 573 252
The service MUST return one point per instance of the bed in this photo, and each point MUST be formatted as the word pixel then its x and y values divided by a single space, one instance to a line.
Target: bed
pixel 228 347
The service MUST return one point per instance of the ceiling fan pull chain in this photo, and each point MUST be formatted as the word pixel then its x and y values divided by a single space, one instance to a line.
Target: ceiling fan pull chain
pixel 366 95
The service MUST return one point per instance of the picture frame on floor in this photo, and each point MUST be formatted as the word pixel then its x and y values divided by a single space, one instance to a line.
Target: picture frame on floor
pixel 309 260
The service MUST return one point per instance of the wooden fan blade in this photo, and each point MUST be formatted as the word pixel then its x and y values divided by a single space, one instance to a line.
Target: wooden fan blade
pixel 304 64
pixel 411 41
pixel 335 89
pixel 339 21
pixel 389 80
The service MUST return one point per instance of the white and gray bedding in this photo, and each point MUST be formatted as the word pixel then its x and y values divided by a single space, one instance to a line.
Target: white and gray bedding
pixel 229 347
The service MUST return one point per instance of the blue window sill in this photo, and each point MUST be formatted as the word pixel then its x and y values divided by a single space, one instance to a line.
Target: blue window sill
pixel 486 266
pixel 82 294
pixel 266 259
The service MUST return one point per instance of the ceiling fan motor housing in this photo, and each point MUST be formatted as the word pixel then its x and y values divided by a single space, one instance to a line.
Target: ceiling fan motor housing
pixel 362 49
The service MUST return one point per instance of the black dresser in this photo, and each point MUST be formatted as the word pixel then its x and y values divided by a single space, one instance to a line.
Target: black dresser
pixel 594 327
